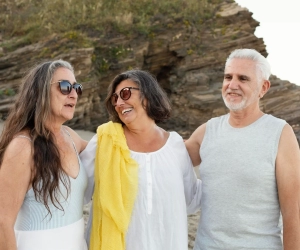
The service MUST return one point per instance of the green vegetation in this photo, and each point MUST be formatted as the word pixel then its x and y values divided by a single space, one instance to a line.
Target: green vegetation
pixel 104 56
pixel 7 92
pixel 34 19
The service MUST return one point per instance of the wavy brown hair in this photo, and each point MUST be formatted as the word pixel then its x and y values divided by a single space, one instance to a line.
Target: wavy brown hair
pixel 31 111
pixel 157 106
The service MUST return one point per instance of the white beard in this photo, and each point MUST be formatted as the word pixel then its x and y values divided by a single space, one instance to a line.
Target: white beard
pixel 241 105
pixel 235 106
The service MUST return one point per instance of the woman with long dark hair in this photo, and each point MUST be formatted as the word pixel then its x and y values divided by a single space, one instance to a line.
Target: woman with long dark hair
pixel 42 183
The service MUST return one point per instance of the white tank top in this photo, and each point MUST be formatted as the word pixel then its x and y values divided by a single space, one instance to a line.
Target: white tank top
pixel 240 205
pixel 33 214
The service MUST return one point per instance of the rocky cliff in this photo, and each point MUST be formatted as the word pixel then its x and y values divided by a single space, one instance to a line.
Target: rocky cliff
pixel 188 61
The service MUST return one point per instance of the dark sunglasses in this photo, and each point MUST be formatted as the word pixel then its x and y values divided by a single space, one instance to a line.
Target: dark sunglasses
pixel 125 94
pixel 66 87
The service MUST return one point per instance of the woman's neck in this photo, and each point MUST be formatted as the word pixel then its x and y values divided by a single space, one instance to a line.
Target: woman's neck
pixel 146 138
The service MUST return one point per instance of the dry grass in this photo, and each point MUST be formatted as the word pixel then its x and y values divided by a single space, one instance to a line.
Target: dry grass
pixel 33 19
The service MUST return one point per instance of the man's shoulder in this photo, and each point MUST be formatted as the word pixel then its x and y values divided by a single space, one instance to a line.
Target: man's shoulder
pixel 275 120
pixel 218 119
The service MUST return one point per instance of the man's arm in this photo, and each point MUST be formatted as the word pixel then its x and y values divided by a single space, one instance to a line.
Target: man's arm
pixel 194 142
pixel 288 183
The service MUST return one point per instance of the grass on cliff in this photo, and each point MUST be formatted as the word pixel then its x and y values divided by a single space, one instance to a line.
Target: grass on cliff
pixel 34 19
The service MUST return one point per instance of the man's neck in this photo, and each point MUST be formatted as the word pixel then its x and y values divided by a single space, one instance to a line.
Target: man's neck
pixel 243 118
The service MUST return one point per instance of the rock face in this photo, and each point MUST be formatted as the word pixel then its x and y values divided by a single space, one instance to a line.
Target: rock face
pixel 188 61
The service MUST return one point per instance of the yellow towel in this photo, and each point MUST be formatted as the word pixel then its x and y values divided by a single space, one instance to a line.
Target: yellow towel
pixel 116 181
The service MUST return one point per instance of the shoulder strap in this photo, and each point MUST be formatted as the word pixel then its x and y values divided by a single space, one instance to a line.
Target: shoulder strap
pixel 71 140
pixel 23 136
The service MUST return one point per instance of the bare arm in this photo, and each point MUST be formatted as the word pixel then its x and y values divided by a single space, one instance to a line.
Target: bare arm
pixel 288 182
pixel 193 144
pixel 15 180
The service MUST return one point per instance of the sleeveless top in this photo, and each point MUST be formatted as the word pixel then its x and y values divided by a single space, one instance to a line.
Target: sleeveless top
pixel 34 216
pixel 240 205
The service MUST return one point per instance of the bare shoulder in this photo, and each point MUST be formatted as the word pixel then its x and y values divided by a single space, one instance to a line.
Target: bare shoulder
pixel 194 142
pixel 197 136
pixel 15 176
pixel 21 144
pixel 288 140
pixel 18 160
pixel 79 142
pixel 288 159
pixel 23 134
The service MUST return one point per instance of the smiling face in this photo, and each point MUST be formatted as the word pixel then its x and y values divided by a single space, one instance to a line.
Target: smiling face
pixel 241 88
pixel 62 106
pixel 131 109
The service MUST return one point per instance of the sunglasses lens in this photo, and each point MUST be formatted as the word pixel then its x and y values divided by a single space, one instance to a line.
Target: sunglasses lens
pixel 78 88
pixel 65 87
pixel 125 93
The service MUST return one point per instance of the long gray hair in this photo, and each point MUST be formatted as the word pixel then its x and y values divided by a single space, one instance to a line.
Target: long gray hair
pixel 31 111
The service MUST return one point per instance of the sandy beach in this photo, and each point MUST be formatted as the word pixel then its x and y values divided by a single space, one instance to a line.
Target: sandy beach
pixel 192 219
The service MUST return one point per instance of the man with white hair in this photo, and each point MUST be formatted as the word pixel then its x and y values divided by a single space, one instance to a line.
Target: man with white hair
pixel 249 166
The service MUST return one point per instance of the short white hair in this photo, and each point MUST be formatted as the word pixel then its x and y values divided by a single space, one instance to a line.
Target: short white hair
pixel 262 65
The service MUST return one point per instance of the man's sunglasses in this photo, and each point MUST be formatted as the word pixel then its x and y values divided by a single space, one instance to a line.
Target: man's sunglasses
pixel 66 87
pixel 125 94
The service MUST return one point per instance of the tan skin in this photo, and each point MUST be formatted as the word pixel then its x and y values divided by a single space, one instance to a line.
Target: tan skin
pixel 240 83
pixel 141 132
pixel 16 170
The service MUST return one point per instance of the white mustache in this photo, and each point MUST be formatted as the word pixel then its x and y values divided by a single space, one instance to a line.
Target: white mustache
pixel 233 92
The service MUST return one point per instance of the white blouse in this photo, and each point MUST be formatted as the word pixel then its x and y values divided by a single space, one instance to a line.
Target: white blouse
pixel 168 189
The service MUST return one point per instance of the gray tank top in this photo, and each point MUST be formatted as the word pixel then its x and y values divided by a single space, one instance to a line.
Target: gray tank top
pixel 240 205
pixel 33 214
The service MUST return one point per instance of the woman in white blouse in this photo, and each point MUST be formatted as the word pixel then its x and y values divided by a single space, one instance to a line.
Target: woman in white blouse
pixel 167 186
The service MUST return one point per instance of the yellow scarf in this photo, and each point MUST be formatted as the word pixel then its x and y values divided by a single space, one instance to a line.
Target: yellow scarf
pixel 116 181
